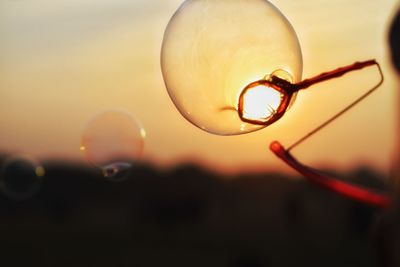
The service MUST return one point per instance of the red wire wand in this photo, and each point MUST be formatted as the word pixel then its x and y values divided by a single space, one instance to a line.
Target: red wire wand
pixel 351 191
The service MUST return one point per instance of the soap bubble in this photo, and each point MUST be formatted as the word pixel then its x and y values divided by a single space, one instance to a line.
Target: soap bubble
pixel 213 49
pixel 20 177
pixel 113 141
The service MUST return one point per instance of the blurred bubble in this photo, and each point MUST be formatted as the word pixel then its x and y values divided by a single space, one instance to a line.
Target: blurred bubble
pixel 21 177
pixel 213 49
pixel 112 142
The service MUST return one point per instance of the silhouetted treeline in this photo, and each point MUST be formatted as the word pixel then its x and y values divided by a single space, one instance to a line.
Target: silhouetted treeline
pixel 185 216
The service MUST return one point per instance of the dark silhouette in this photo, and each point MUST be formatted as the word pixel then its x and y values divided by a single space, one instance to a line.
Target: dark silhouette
pixel 388 227
pixel 185 216
pixel 394 41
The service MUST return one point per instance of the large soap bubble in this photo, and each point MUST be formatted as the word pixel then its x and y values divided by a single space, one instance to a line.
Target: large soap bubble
pixel 213 49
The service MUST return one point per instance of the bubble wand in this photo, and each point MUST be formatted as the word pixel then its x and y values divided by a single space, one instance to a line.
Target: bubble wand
pixel 358 193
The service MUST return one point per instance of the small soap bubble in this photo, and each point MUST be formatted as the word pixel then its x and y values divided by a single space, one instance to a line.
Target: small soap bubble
pixel 112 142
pixel 280 73
pixel 21 177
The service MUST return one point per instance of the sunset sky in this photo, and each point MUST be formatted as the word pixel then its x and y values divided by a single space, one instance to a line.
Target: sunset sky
pixel 62 62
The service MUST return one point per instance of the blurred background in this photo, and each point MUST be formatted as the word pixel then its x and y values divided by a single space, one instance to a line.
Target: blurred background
pixel 195 198
pixel 64 62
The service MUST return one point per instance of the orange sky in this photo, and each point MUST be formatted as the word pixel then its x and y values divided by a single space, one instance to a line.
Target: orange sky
pixel 62 62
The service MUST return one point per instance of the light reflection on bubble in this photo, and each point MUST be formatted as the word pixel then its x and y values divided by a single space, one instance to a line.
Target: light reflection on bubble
pixel 112 142
pixel 213 49
pixel 20 177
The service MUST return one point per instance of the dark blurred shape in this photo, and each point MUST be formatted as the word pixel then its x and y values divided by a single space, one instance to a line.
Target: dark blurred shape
pixel 185 216
pixel 20 177
pixel 394 41
pixel 182 200
pixel 173 212
pixel 117 171
pixel 248 260
pixel 387 229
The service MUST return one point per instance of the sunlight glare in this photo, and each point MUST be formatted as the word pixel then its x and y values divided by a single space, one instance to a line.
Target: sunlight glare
pixel 261 103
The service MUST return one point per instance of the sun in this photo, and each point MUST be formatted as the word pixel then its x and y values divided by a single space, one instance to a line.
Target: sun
pixel 260 103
